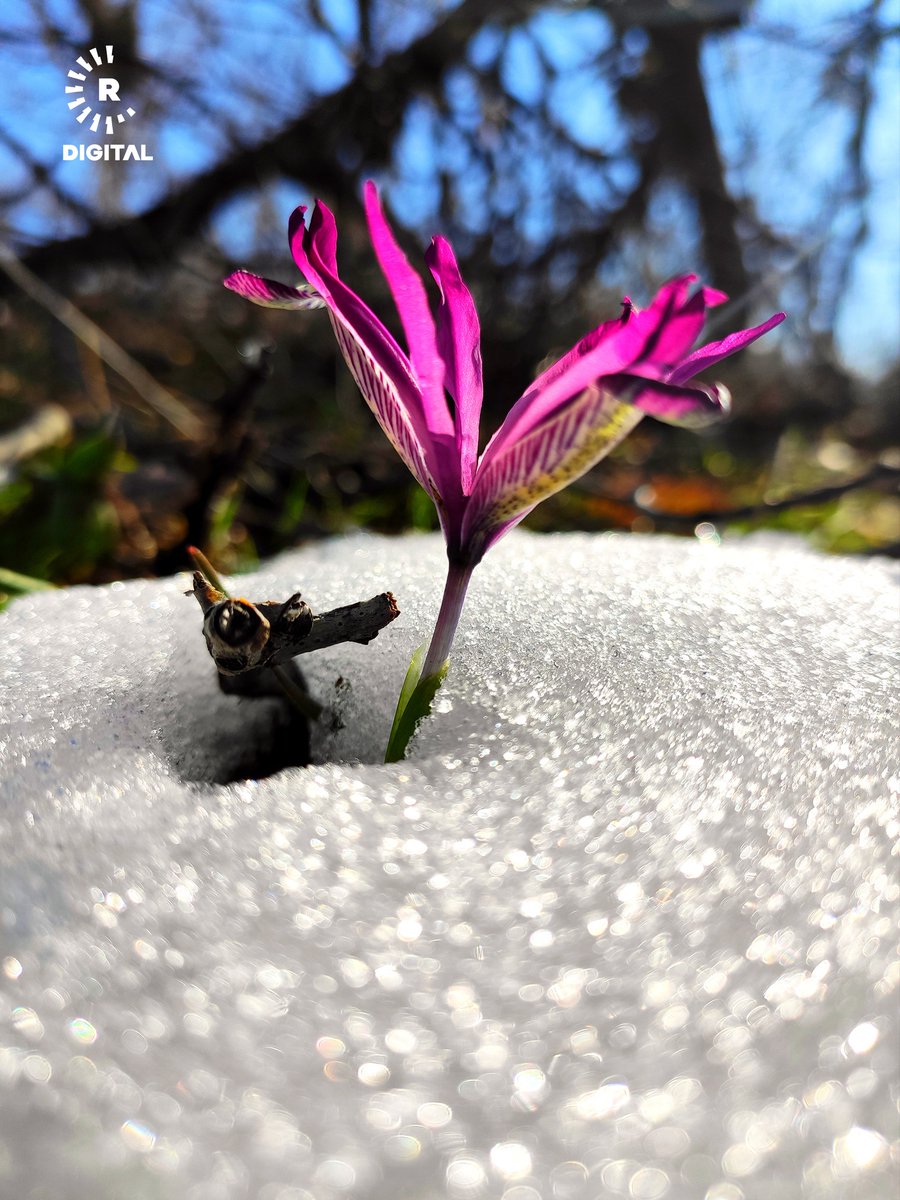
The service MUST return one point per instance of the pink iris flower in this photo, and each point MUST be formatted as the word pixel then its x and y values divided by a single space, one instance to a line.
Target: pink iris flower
pixel 428 401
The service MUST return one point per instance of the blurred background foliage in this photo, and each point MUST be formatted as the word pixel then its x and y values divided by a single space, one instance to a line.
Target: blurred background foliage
pixel 572 151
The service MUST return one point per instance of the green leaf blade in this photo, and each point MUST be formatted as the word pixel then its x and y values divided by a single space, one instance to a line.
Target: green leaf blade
pixel 414 704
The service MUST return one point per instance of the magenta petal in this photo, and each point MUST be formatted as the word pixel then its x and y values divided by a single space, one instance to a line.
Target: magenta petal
pixel 709 355
pixel 672 295
pixel 385 399
pixel 412 304
pixel 545 460
pixel 629 342
pixel 380 368
pixel 676 405
pixel 589 342
pixel 490 537
pixel 323 237
pixel 345 305
pixel 712 297
pixel 271 294
pixel 459 344
pixel 298 235
pixel 609 349
pixel 681 328
pixel 671 323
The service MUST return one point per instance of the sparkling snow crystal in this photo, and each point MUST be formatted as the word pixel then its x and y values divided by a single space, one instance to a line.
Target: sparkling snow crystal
pixel 624 925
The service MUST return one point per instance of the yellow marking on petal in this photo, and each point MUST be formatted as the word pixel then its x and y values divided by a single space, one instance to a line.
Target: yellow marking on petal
pixel 586 449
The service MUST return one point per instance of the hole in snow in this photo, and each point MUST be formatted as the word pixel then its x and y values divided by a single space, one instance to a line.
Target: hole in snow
pixel 226 738
pixel 212 735
pixel 209 735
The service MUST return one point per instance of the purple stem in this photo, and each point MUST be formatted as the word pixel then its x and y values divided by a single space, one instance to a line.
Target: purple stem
pixel 448 618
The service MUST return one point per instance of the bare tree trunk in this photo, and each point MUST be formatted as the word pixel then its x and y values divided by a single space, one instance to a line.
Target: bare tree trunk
pixel 672 92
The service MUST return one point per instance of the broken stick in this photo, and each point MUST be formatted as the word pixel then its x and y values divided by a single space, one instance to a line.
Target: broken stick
pixel 242 636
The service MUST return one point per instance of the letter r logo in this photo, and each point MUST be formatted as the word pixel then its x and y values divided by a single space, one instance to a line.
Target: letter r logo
pixel 109 110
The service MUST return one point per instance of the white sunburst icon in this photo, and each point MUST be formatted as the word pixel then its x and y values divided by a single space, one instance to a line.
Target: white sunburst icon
pixel 107 92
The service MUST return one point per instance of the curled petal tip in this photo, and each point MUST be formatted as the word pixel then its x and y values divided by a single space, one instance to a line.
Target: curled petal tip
pixel 233 281
pixel 692 406
pixel 296 222
pixel 712 297
pixel 269 293
pixel 250 286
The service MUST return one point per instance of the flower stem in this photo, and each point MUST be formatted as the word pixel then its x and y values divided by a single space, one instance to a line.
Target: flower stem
pixel 448 618
pixel 421 685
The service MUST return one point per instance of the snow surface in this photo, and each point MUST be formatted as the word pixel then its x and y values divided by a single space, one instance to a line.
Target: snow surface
pixel 624 926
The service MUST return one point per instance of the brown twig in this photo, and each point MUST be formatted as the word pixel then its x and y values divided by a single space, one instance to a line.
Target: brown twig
pixel 243 636
pixel 288 679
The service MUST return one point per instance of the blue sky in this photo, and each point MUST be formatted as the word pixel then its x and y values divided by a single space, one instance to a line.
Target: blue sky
pixel 254 67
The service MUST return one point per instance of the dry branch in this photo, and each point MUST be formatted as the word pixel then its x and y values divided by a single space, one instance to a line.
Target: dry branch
pixel 243 636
